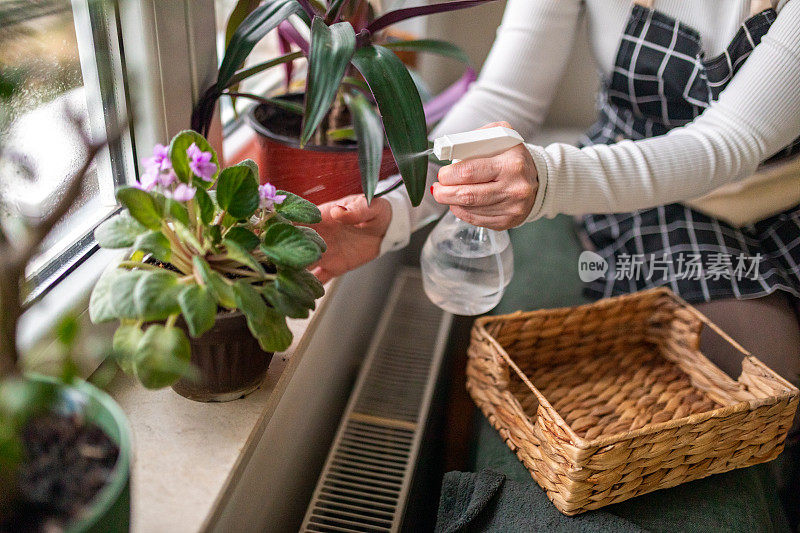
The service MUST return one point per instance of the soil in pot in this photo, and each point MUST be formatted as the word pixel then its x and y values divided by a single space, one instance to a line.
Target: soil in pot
pixel 228 360
pixel 318 173
pixel 68 461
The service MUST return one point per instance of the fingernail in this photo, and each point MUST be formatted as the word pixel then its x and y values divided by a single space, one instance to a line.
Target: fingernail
pixel 431 189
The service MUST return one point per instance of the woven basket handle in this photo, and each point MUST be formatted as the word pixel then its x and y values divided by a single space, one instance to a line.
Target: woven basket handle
pixel 715 328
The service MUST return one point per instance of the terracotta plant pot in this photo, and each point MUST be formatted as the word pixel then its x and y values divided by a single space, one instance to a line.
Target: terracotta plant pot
pixel 229 362
pixel 318 173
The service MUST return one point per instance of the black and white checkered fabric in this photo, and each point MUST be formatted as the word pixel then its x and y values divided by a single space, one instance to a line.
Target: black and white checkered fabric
pixel 661 81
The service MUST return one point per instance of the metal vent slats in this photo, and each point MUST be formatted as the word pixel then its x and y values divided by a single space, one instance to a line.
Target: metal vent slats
pixel 364 484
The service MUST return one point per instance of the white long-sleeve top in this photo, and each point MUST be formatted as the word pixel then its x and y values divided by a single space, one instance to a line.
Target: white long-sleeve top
pixel 754 117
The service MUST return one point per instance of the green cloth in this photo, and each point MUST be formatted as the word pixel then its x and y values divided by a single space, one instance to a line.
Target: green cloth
pixel 546 275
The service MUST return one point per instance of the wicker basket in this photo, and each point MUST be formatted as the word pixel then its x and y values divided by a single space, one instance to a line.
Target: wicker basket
pixel 607 401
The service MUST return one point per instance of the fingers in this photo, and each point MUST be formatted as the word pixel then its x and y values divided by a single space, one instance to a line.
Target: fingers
pixel 322 275
pixel 354 211
pixel 481 194
pixel 485 220
pixel 481 170
pixel 501 123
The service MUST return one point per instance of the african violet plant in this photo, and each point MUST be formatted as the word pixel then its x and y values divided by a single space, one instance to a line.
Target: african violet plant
pixel 197 252
pixel 352 65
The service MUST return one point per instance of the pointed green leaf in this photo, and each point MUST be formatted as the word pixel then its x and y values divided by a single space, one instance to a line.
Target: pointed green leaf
pixel 330 53
pixel 243 237
pixel 162 356
pixel 155 295
pixel 237 191
pixel 118 231
pixel 401 108
pixel 266 324
pixel 434 46
pixel 237 253
pixel 154 242
pixel 252 29
pixel 140 205
pixel 199 309
pixel 369 133
pixel 180 160
pixel 298 209
pixel 216 285
pixel 187 236
pixel 287 245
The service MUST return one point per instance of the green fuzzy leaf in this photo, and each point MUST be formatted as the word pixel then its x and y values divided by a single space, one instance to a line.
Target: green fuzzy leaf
pixel 298 209
pixel 140 205
pixel 237 191
pixel 331 49
pixel 243 237
pixel 369 133
pixel 169 208
pixel 180 161
pixel 125 343
pixel 216 284
pixel 199 309
pixel 284 303
pixel 300 285
pixel 252 165
pixel 118 231
pixel 289 246
pixel 162 356
pixel 400 106
pixel 101 303
pixel 155 295
pixel 315 237
pixel 239 254
pixel 187 236
pixel 205 205
pixel 154 242
pixel 123 301
pixel 266 324
pixel 215 234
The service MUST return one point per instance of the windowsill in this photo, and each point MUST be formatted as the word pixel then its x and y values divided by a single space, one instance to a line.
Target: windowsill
pixel 187 454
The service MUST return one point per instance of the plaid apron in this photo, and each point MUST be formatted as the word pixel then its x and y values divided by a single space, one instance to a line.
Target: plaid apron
pixel 660 81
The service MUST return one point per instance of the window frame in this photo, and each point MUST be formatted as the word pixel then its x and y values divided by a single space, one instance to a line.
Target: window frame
pixel 162 59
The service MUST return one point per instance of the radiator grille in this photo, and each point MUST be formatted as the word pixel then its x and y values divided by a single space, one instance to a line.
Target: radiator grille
pixel 364 484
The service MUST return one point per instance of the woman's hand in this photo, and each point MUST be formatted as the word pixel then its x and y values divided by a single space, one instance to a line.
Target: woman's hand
pixel 353 232
pixel 496 192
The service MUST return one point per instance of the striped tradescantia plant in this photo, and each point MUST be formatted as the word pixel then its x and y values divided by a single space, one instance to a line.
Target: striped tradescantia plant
pixel 351 64
pixel 197 251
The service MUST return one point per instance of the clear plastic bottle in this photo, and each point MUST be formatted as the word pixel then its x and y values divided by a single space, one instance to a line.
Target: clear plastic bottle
pixel 465 269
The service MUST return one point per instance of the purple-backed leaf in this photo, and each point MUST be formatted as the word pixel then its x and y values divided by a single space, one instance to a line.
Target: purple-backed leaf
pixel 308 8
pixel 285 47
pixel 438 106
pixel 290 33
pixel 398 15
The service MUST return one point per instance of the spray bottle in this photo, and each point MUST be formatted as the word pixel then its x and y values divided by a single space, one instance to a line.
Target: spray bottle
pixel 465 269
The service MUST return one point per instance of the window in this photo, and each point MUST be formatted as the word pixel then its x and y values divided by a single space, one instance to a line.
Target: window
pixel 59 59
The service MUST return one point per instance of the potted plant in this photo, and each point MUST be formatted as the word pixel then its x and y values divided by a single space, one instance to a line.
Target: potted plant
pixel 357 91
pixel 206 267
pixel 65 446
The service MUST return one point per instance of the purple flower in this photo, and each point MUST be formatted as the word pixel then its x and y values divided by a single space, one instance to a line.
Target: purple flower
pixel 200 162
pixel 147 181
pixel 182 193
pixel 167 178
pixel 160 160
pixel 269 198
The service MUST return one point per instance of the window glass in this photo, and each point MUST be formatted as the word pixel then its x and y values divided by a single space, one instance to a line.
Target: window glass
pixel 42 87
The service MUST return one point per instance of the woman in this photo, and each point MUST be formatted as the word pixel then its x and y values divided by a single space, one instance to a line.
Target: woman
pixel 697 94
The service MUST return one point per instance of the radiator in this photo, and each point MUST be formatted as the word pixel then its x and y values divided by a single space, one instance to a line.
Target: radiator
pixel 368 474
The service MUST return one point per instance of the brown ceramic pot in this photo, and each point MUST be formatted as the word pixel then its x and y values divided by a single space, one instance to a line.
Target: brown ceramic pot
pixel 318 173
pixel 229 361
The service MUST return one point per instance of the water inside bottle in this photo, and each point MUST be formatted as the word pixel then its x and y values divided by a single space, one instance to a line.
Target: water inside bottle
pixel 465 269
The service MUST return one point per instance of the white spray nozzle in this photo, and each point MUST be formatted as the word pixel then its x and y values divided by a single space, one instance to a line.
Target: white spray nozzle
pixel 487 142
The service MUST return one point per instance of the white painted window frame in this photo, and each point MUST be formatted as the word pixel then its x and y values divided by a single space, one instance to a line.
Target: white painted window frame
pixel 170 56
